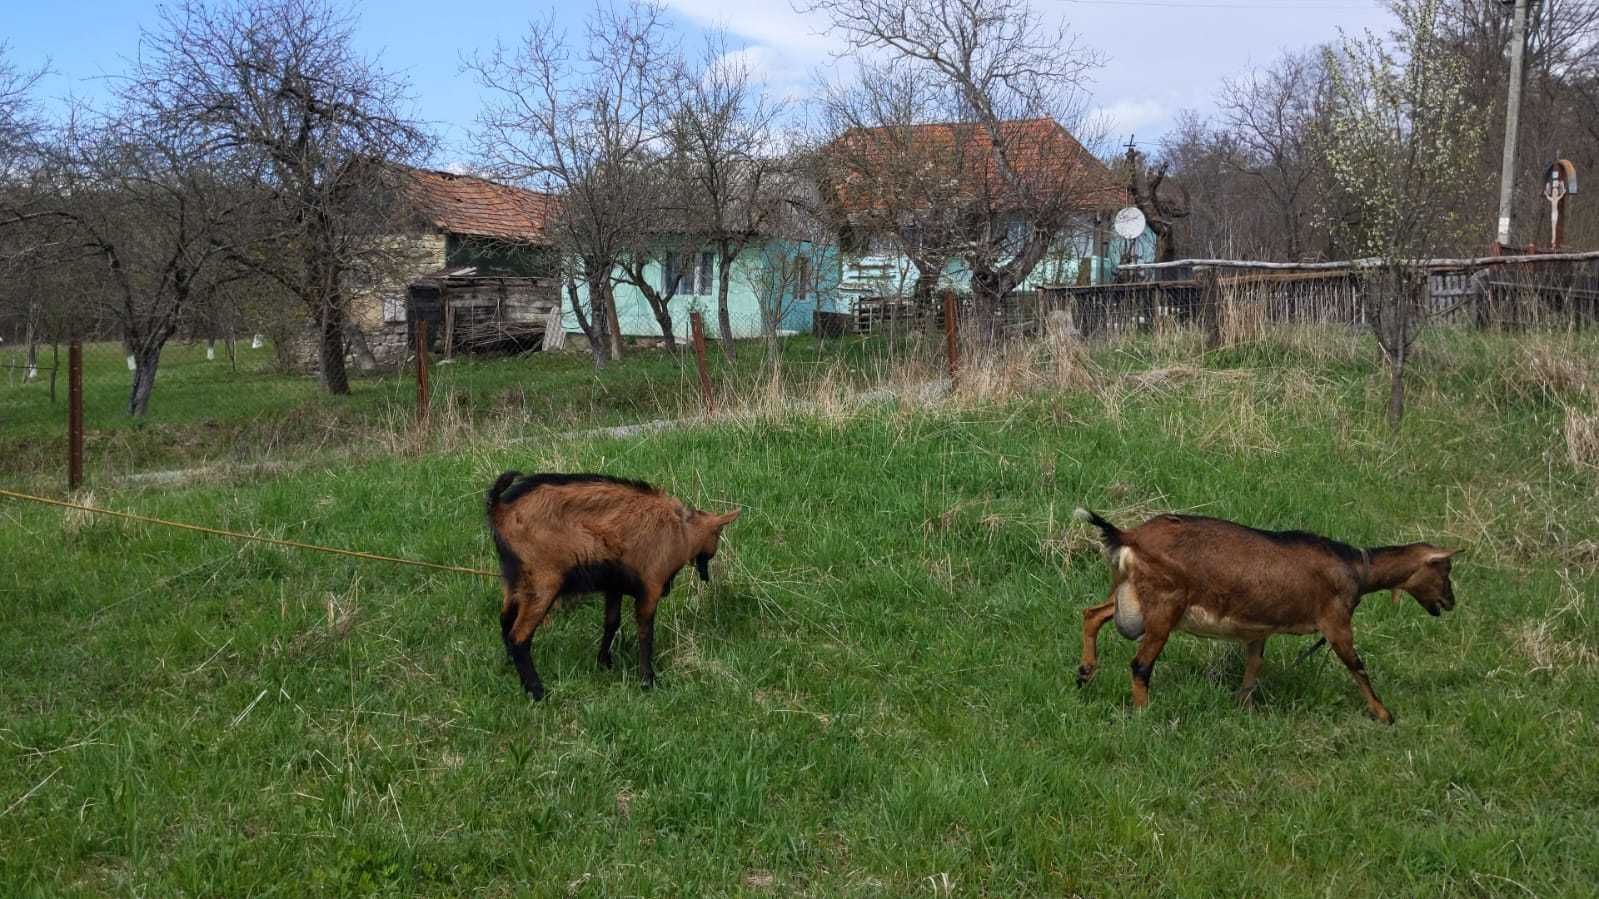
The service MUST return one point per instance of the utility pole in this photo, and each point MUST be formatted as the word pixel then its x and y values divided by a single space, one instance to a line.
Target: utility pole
pixel 1507 173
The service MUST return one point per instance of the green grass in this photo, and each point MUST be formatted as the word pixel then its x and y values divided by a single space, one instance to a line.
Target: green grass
pixel 209 411
pixel 873 698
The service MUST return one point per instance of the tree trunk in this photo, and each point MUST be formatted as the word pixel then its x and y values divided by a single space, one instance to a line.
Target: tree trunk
pixel 330 350
pixel 599 331
pixel 145 362
pixel 577 310
pixel 1396 388
pixel 724 323
pixel 612 321
pixel 355 338
pixel 986 297
pixel 32 342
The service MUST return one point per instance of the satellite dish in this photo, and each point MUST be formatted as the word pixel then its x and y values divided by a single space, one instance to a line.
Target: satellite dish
pixel 1130 223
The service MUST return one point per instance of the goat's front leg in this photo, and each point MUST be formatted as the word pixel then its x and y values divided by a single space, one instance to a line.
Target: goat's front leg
pixel 1094 618
pixel 1342 640
pixel 1254 655
pixel 644 614
pixel 613 621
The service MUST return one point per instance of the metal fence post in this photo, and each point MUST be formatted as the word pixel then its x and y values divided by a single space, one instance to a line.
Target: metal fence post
pixel 75 415
pixel 697 322
pixel 951 328
pixel 421 370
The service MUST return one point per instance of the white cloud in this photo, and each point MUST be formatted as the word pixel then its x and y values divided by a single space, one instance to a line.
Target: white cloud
pixel 1159 58
pixel 1129 116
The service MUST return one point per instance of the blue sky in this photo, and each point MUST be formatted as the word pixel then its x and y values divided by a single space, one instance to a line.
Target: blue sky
pixel 1163 55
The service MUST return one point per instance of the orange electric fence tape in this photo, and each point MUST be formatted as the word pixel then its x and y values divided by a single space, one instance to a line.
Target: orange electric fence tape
pixel 371 557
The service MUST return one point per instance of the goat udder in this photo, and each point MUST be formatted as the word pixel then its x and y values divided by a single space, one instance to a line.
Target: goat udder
pixel 1129 615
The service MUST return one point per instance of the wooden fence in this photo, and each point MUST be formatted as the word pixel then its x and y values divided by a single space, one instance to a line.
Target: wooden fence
pixel 1241 302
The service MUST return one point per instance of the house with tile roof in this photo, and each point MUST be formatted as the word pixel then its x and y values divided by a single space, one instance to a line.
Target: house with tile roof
pixel 475 259
pixel 932 181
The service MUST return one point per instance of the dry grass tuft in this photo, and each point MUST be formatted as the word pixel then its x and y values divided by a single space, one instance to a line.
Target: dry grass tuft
pixel 76 520
pixel 1554 368
pixel 1546 651
pixel 1582 437
pixel 1055 362
pixel 1242 321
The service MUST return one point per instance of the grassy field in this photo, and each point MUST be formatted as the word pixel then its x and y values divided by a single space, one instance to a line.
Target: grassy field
pixel 205 412
pixel 874 697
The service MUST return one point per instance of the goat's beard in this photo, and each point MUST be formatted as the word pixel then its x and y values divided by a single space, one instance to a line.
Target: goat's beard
pixel 702 564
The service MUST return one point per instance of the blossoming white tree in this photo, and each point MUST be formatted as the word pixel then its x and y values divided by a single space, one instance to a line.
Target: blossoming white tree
pixel 1400 150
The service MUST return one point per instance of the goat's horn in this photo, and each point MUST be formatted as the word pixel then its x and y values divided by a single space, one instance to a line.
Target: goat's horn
pixel 1396 596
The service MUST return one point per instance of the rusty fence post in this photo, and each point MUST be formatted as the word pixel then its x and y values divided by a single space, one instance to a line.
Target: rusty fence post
pixel 951 332
pixel 421 370
pixel 698 324
pixel 75 415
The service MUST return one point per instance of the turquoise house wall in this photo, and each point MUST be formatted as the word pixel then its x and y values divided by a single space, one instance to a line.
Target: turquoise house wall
pixel 753 267
pixel 1059 266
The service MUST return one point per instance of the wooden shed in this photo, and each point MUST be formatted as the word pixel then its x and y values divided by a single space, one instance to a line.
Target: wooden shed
pixel 472 313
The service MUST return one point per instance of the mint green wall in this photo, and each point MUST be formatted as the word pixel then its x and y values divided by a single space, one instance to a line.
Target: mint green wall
pixel 743 305
pixel 1059 266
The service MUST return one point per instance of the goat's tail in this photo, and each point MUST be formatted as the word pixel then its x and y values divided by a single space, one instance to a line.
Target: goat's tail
pixel 1116 549
pixel 501 484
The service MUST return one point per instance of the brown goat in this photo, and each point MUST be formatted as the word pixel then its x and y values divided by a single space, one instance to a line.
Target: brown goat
pixel 566 534
pixel 1219 579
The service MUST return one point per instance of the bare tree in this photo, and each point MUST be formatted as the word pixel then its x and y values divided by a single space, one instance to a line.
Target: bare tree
pixel 888 183
pixel 581 119
pixel 1161 207
pixel 1272 115
pixel 795 247
pixel 147 204
pixel 721 137
pixel 1403 133
pixel 22 234
pixel 279 85
pixel 1013 84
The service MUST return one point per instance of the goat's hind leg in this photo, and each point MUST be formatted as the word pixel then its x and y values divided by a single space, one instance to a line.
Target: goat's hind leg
pixel 1094 618
pixel 1254 655
pixel 613 621
pixel 531 607
pixel 507 618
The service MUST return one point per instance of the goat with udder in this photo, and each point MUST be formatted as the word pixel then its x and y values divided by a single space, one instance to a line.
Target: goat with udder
pixel 1215 578
pixel 565 534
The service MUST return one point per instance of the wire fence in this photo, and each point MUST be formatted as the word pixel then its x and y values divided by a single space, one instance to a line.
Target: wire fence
pixel 248 404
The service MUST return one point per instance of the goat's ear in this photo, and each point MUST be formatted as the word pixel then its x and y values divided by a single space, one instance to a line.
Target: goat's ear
pixel 685 513
pixel 723 521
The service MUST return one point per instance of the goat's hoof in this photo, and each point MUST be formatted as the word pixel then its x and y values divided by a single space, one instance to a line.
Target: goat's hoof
pixel 1245 698
pixel 606 661
pixel 647 684
pixel 1085 673
pixel 535 693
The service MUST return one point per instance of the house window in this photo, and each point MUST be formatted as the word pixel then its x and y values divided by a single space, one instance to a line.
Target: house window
pixel 689 278
pixel 707 263
pixel 393 308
